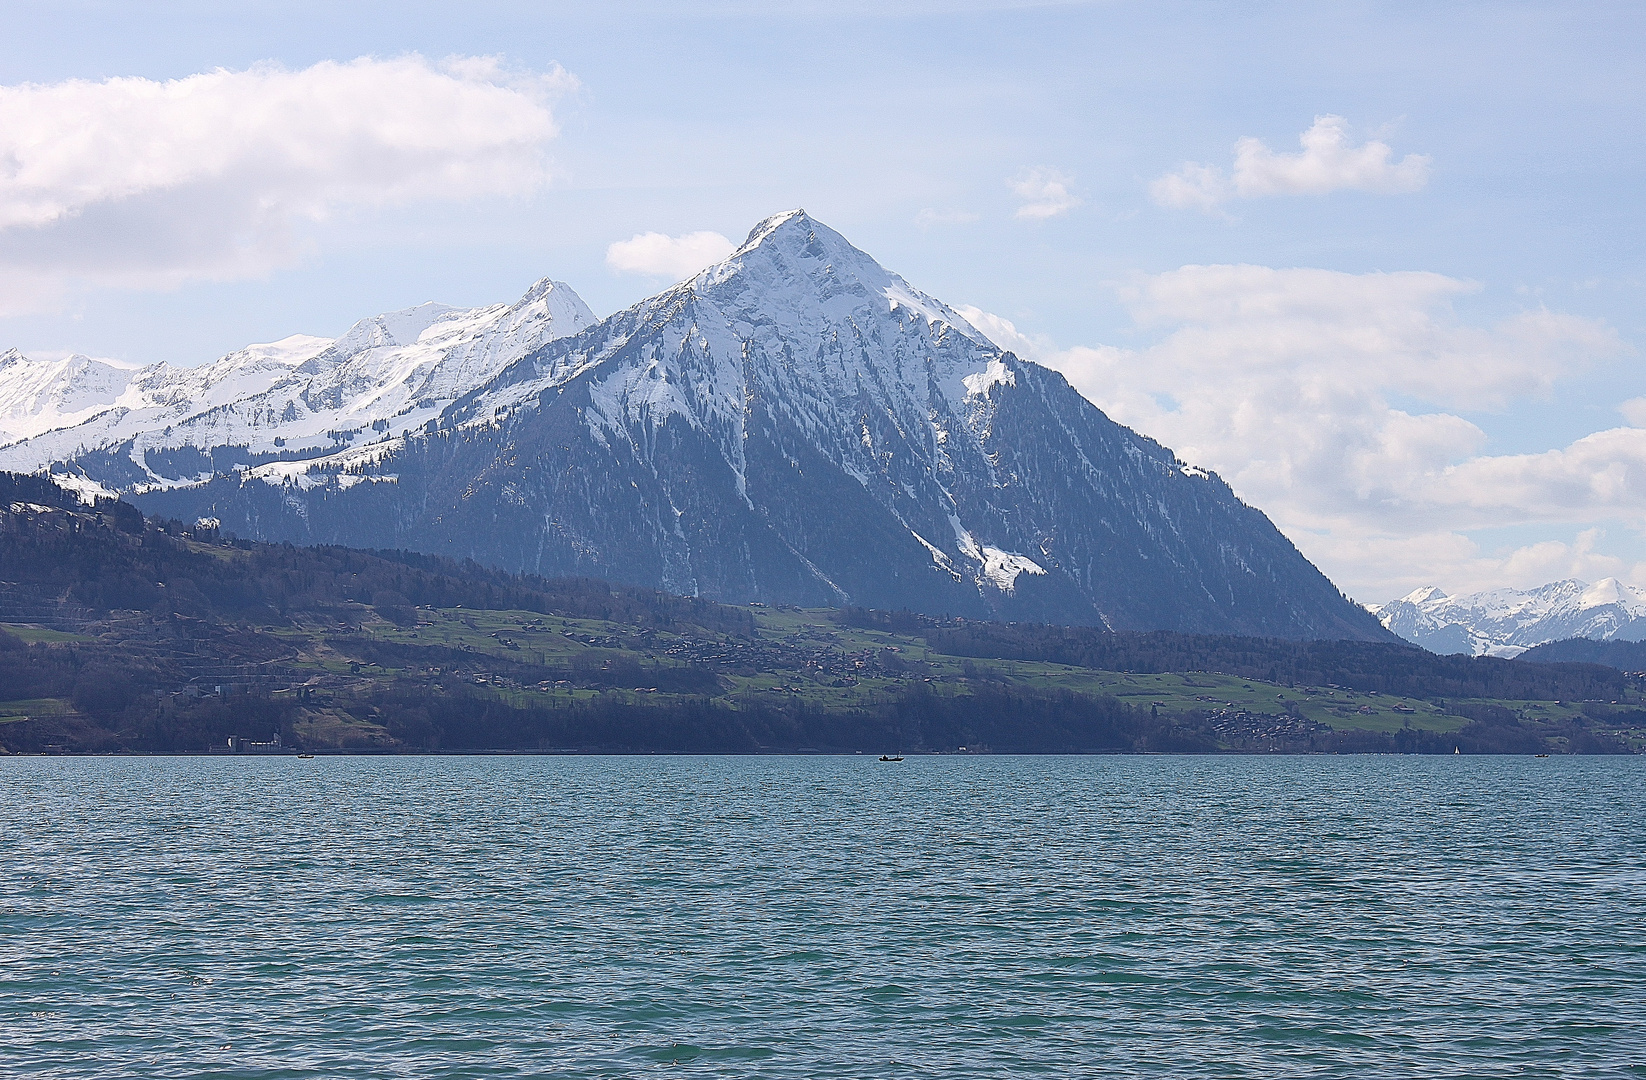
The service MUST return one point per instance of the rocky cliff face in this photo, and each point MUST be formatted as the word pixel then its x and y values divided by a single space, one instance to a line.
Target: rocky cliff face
pixel 797 424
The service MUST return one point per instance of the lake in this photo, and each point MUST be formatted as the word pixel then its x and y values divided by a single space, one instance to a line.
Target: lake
pixel 823 917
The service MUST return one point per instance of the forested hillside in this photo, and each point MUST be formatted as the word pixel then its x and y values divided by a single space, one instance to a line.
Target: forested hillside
pixel 1623 655
pixel 126 634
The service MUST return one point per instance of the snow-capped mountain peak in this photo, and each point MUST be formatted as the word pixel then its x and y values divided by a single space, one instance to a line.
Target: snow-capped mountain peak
pixel 798 316
pixel 402 327
pixel 39 395
pixel 793 261
pixel 1608 591
pixel 1507 622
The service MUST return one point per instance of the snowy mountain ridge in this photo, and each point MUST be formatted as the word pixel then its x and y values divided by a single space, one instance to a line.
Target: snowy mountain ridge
pixel 1507 622
pixel 39 395
pixel 154 427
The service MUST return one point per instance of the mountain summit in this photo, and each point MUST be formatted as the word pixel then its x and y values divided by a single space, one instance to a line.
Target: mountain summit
pixel 797 424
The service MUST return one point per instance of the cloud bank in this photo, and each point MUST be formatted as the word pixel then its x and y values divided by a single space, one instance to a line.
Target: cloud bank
pixel 1327 163
pixel 674 257
pixel 1281 380
pixel 146 184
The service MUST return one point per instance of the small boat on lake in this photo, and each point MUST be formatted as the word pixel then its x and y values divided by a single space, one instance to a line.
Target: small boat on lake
pixel 884 757
pixel 305 757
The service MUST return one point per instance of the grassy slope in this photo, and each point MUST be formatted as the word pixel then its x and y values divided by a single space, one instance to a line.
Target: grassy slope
pixel 524 658
pixel 484 633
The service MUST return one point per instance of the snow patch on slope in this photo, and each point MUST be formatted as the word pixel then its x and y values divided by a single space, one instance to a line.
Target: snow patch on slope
pixel 999 568
pixel 996 374
pixel 85 488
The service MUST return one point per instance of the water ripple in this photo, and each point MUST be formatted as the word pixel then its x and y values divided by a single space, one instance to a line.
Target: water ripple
pixel 823 917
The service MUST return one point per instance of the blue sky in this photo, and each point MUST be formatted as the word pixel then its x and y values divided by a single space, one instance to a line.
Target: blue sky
pixel 1388 377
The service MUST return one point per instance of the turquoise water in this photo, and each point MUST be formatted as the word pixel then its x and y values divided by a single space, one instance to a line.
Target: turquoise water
pixel 822 917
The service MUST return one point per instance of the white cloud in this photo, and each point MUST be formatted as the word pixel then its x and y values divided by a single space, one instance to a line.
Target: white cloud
pixel 1045 194
pixel 930 217
pixel 673 257
pixel 1327 163
pixel 1003 333
pixel 1281 381
pixel 1191 187
pixel 147 184
pixel 1599 475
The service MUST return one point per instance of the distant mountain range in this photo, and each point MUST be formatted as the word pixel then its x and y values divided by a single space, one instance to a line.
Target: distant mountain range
pixel 793 425
pixel 138 429
pixel 1507 622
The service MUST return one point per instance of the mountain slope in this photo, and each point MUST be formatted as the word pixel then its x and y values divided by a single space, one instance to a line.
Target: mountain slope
pixel 1506 622
pixel 798 425
pixel 151 428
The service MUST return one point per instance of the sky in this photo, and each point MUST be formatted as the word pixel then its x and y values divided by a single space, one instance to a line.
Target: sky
pixel 1378 265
